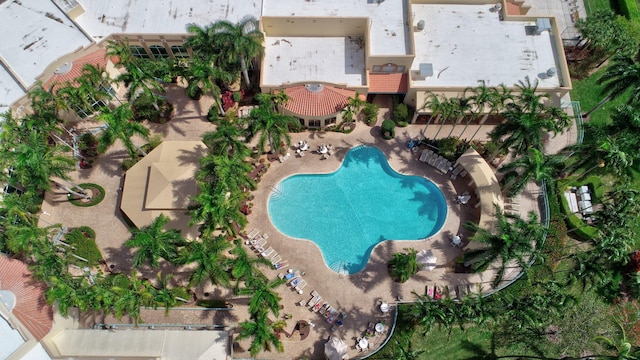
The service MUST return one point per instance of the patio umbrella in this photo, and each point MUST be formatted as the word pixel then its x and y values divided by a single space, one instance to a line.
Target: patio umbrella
pixel 427 259
pixel 335 349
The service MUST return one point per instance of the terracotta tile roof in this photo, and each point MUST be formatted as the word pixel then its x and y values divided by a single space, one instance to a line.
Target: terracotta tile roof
pixel 30 308
pixel 327 101
pixel 512 9
pixel 96 58
pixel 388 83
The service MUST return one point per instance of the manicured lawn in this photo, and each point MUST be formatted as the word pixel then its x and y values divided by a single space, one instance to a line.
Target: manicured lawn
pixel 587 92
pixel 593 5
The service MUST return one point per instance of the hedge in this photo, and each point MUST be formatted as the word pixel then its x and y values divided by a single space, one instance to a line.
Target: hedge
pixel 82 241
pixel 629 9
pixel 582 231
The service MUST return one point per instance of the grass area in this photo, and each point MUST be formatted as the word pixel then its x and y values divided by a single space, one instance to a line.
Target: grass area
pixel 594 5
pixel 588 93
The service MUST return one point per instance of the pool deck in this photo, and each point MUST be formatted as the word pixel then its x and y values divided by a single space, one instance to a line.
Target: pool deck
pixel 358 295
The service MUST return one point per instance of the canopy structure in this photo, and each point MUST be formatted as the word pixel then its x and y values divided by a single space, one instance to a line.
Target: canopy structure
pixel 162 183
pixel 486 186
pixel 335 349
pixel 427 259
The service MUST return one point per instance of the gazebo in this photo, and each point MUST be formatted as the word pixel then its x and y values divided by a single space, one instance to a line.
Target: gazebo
pixel 162 183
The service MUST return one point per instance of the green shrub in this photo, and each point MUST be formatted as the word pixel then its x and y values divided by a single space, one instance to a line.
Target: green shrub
pixel 489 148
pixel 237 96
pixel 98 195
pixel 447 147
pixel 370 113
pixel 215 304
pixel 388 129
pixel 579 229
pixel 82 241
pixel 128 163
pixel 629 8
pixel 401 113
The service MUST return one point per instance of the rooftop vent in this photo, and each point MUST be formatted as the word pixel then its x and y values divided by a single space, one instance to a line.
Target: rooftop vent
pixel 542 25
pixel 426 70
pixel 420 25
pixel 551 72
pixel 316 88
pixel 65 68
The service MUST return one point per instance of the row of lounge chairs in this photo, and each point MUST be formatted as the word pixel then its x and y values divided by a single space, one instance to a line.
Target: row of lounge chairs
pixel 259 244
pixel 443 165
pixel 294 279
pixel 316 304
pixel 438 292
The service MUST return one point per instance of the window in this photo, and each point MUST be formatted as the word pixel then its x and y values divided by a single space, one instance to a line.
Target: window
pixel 301 122
pixel 159 51
pixel 138 52
pixel 387 68
pixel 314 123
pixel 330 121
pixel 179 52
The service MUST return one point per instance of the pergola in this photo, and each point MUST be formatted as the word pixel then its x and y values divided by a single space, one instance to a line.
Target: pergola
pixel 162 183
pixel 484 180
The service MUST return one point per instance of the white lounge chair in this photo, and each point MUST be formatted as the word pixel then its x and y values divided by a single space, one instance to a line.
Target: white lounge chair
pixel 302 284
pixel 276 259
pixel 267 252
pixel 253 234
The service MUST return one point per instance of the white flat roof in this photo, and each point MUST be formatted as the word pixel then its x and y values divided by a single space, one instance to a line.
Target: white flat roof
pixel 102 18
pixel 10 90
pixel 338 60
pixel 164 344
pixel 467 43
pixel 388 30
pixel 36 34
pixel 10 339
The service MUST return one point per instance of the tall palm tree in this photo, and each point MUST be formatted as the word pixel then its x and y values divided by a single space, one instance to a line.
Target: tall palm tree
pixel 462 107
pixel 621 77
pixel 118 125
pixel 202 75
pixel 262 336
pixel 263 294
pixel 46 103
pixel 240 43
pixel 272 127
pixel 532 166
pixel 34 162
pixel 68 292
pixel 446 110
pixel 243 266
pixel 495 98
pixel 154 242
pixel 225 140
pixel 515 239
pixel 434 103
pixel 208 254
pixel 120 51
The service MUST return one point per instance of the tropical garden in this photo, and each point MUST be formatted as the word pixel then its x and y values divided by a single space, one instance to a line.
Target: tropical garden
pixel 577 297
pixel 578 294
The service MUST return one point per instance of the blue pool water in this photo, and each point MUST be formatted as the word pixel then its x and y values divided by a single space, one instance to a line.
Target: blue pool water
pixel 348 212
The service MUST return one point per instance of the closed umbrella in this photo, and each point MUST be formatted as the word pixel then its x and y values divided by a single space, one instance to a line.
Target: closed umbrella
pixel 427 259
pixel 335 349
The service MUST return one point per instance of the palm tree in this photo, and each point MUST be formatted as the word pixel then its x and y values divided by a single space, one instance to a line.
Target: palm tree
pixel 68 292
pixel 202 76
pixel 225 140
pixel 495 98
pixel 118 125
pixel 462 106
pixel 263 294
pixel 154 242
pixel 46 103
pixel 163 295
pixel 119 49
pixel 232 173
pixel 532 166
pixel 271 126
pixel 34 162
pixel 25 239
pixel 404 265
pixel 208 254
pixel 351 111
pixel 621 77
pixel 261 334
pixel 514 239
pixel 245 267
pixel 446 110
pixel 435 103
pixel 240 43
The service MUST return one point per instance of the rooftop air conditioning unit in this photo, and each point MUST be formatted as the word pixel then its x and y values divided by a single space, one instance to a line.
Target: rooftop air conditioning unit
pixel 420 25
pixel 426 70
pixel 542 25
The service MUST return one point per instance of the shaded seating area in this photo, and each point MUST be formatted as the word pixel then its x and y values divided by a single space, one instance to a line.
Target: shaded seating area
pixel 483 180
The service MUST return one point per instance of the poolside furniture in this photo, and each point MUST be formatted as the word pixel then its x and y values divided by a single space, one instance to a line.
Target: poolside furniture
pixel 379 328
pixel 276 259
pixel 258 241
pixel 462 291
pixel 318 306
pixel 314 300
pixel 267 252
pixel 300 286
pixel 384 307
pixel 363 343
pixel 281 265
pixel 253 234
pixel 456 240
pixel 463 173
pixel 295 281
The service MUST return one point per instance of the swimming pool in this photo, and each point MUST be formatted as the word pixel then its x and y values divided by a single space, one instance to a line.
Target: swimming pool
pixel 347 212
